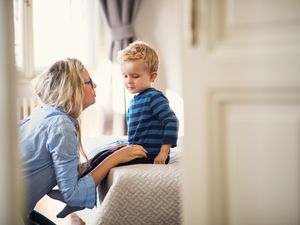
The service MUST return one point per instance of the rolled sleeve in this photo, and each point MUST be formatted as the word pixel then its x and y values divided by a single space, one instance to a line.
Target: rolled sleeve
pixel 91 191
pixel 62 145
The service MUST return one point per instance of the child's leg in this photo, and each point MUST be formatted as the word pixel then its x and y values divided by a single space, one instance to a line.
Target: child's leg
pixel 68 210
pixel 96 160
pixel 56 194
pixel 149 160
pixel 37 218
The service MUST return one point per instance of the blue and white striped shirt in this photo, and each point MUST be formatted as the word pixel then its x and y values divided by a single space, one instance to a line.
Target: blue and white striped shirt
pixel 151 122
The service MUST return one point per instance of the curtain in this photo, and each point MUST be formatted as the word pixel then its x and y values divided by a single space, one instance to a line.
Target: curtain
pixel 119 16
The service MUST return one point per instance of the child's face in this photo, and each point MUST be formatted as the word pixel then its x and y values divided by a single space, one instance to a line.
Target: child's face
pixel 136 78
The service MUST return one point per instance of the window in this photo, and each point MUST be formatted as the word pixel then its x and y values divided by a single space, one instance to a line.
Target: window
pixel 19 33
pixel 49 30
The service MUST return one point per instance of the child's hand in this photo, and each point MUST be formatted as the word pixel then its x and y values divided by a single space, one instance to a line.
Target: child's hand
pixel 160 158
pixel 162 155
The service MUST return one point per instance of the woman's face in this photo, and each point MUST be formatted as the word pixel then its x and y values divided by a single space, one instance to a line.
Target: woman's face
pixel 89 90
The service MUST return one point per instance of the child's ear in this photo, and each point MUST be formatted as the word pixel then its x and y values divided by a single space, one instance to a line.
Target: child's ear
pixel 153 76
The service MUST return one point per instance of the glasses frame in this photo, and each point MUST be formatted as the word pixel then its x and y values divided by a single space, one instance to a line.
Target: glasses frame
pixel 90 82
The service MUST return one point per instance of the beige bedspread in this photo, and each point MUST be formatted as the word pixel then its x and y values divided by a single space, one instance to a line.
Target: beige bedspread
pixel 142 194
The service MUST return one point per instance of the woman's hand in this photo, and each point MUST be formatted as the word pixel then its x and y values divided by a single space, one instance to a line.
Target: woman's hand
pixel 125 154
pixel 117 146
pixel 129 152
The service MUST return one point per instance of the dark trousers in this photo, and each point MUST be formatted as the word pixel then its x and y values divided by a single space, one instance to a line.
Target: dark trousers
pixel 35 218
pixel 97 159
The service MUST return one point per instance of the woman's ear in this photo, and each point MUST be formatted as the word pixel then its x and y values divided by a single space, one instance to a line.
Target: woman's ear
pixel 153 76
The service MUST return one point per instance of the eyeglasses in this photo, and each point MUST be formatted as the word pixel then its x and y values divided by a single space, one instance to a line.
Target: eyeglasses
pixel 90 82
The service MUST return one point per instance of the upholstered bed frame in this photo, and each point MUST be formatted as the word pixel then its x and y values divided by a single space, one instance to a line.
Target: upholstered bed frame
pixel 142 194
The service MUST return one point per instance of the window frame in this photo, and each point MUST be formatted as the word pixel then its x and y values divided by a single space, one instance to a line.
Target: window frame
pixel 28 70
pixel 25 70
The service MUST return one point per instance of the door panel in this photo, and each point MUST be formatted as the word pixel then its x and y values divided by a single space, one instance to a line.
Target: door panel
pixel 262 163
pixel 242 113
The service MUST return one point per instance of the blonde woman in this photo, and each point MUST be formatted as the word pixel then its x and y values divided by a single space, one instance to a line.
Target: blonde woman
pixel 50 141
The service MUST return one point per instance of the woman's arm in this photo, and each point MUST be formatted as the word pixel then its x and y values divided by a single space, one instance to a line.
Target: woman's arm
pixel 115 147
pixel 62 146
pixel 125 154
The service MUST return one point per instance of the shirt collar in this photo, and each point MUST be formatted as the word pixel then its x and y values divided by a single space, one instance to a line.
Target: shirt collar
pixel 55 108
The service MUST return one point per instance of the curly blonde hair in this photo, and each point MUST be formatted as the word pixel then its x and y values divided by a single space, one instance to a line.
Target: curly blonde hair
pixel 140 50
pixel 62 86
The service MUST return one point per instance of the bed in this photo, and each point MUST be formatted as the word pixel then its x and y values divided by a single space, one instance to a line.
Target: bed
pixel 142 194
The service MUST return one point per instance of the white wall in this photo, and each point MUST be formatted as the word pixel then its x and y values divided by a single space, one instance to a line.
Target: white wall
pixel 159 23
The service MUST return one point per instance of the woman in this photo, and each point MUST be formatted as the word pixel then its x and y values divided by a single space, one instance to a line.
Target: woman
pixel 50 141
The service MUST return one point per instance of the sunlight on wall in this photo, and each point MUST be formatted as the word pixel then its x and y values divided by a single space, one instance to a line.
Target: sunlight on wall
pixel 176 103
pixel 92 118
pixel 109 102
pixel 118 89
pixel 66 32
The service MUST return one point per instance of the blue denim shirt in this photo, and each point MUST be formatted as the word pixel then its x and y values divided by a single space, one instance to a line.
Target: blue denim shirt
pixel 48 147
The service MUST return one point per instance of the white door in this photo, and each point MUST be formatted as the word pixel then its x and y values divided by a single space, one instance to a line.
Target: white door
pixel 242 112
pixel 11 185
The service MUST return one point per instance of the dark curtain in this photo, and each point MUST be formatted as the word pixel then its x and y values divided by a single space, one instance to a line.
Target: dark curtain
pixel 119 16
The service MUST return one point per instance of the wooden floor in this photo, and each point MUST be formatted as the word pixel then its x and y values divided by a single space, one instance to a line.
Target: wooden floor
pixel 50 208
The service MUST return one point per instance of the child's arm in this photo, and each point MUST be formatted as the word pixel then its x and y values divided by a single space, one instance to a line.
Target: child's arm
pixel 163 154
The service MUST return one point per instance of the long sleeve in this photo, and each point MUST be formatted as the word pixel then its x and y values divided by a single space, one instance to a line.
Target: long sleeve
pixel 151 122
pixel 161 109
pixel 62 145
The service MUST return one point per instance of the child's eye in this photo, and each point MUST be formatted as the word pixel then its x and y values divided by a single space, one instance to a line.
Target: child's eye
pixel 135 76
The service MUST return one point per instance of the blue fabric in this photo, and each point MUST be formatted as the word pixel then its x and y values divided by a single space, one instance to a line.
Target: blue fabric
pixel 95 161
pixel 151 122
pixel 48 147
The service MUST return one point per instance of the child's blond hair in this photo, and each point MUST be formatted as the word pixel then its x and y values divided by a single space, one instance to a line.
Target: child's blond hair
pixel 140 50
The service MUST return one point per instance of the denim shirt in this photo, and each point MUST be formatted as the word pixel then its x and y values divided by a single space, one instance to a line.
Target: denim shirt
pixel 48 148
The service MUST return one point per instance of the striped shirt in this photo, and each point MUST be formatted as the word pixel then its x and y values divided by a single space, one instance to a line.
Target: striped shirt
pixel 151 122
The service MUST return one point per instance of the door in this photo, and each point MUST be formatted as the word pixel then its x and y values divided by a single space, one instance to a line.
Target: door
pixel 241 79
pixel 11 193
